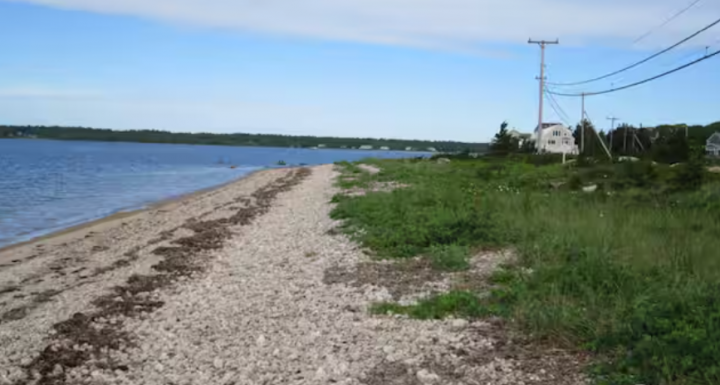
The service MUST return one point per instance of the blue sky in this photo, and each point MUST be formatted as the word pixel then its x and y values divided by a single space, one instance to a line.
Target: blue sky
pixel 425 69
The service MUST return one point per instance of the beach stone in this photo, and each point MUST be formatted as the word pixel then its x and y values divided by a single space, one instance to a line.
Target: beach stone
pixel 257 309
pixel 427 377
pixel 459 324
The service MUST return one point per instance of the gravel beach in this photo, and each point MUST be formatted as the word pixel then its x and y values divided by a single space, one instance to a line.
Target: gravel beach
pixel 230 287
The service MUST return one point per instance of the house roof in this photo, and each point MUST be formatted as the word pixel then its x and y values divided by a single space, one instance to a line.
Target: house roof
pixel 547 125
pixel 714 139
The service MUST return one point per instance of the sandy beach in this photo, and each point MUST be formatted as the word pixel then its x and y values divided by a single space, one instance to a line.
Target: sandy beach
pixel 244 284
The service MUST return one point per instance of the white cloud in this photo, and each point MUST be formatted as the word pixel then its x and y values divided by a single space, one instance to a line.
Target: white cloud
pixel 448 24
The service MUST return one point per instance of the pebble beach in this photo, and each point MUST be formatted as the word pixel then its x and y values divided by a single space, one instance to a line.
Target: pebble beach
pixel 231 287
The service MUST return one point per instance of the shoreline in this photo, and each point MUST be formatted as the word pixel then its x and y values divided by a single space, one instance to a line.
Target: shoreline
pixel 48 285
pixel 246 284
pixel 225 145
pixel 75 230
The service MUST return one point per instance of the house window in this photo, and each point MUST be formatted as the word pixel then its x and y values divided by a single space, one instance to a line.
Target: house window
pixel 566 141
pixel 556 133
pixel 551 141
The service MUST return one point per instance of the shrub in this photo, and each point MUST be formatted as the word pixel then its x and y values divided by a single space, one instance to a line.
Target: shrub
pixel 688 176
pixel 450 257
pixel 637 174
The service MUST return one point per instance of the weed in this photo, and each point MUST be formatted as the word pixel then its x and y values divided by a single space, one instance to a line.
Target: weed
pixel 450 257
pixel 630 272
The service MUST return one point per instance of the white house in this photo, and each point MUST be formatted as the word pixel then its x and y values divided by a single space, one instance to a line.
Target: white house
pixel 385 148
pixel 555 138
pixel 432 149
pixel 366 147
pixel 712 145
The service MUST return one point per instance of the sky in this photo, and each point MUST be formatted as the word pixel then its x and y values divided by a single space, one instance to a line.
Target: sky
pixel 411 69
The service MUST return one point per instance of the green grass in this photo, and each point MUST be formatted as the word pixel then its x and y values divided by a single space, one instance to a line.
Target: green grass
pixel 450 257
pixel 353 176
pixel 633 275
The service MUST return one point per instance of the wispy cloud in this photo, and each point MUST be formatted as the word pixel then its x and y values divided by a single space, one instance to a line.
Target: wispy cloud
pixel 448 24
pixel 33 92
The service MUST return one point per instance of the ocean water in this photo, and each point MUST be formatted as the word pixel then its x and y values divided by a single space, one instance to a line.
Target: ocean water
pixel 46 186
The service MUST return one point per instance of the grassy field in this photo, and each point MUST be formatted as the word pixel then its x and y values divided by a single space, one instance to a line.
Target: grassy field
pixel 629 271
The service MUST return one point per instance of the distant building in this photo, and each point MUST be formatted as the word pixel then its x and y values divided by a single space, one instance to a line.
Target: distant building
pixel 385 148
pixel 555 138
pixel 408 148
pixel 432 149
pixel 366 147
pixel 712 145
pixel 520 136
pixel 321 146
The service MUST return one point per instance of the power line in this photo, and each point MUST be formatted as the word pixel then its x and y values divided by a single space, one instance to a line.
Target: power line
pixel 563 118
pixel 642 81
pixel 666 22
pixel 644 60
pixel 557 108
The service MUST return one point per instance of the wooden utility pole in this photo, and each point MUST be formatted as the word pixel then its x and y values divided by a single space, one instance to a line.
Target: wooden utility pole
pixel 638 139
pixel 625 130
pixel 542 44
pixel 613 119
pixel 582 125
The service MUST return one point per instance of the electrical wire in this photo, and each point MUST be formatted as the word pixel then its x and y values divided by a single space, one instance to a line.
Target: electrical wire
pixel 708 56
pixel 557 108
pixel 666 22
pixel 564 120
pixel 716 22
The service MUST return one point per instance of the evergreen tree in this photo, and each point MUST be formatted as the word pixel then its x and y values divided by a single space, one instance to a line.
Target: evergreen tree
pixel 504 143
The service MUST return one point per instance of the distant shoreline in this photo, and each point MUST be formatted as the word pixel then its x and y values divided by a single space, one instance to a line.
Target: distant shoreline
pixel 239 139
pixel 216 145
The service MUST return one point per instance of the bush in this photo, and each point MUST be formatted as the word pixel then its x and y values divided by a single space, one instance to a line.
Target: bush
pixel 688 176
pixel 641 174
pixel 450 257
pixel 575 182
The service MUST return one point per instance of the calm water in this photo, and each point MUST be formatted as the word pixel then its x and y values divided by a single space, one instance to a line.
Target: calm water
pixel 46 186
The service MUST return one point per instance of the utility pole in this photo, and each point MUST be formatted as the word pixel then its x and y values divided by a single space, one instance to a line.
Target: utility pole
pixel 582 125
pixel 542 44
pixel 625 130
pixel 613 119
pixel 638 139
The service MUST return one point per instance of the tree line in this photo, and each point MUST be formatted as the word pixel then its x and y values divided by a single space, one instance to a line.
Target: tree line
pixel 663 143
pixel 235 139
